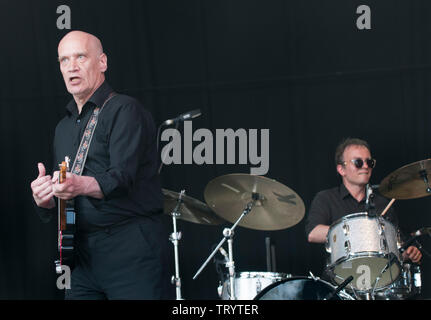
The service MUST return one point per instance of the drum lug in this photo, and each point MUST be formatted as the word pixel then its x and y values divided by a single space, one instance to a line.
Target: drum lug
pixel 347 246
pixel 328 246
pixel 220 289
pixel 383 245
pixel 258 286
pixel 381 228
pixel 346 228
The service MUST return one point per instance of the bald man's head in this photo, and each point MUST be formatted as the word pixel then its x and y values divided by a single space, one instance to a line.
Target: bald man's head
pixel 82 64
pixel 82 36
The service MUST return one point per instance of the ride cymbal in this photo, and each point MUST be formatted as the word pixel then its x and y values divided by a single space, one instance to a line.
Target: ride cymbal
pixel 275 207
pixel 408 182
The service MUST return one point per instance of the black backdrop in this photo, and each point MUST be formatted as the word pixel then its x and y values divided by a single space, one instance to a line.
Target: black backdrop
pixel 299 68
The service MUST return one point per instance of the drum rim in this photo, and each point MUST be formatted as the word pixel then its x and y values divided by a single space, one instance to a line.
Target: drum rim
pixel 358 214
pixel 238 275
pixel 330 270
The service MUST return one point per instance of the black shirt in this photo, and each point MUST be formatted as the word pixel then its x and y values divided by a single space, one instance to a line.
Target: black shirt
pixel 122 158
pixel 332 204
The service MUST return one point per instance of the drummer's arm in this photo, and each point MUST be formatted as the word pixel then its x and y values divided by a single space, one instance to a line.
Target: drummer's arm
pixel 318 234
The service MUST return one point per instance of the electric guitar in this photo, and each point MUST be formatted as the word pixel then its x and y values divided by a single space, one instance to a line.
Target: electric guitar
pixel 66 224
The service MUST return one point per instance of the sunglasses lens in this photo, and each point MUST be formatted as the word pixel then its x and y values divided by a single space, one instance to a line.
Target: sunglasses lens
pixel 358 163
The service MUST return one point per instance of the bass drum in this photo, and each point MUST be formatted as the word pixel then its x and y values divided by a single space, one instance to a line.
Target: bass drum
pixel 301 288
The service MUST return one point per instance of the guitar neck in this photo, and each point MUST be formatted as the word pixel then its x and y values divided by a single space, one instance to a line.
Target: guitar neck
pixel 62 205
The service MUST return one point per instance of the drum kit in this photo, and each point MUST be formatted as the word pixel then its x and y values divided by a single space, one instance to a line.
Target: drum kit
pixel 364 259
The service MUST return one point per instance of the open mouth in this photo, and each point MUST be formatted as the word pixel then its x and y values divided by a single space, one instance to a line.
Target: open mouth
pixel 74 80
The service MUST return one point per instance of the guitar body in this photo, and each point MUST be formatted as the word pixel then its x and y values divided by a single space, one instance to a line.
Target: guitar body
pixel 66 226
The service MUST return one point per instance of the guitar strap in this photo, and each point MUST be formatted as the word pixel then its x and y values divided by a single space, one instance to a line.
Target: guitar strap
pixel 81 155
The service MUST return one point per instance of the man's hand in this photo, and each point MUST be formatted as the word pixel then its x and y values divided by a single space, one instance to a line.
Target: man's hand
pixel 42 189
pixel 413 254
pixel 75 185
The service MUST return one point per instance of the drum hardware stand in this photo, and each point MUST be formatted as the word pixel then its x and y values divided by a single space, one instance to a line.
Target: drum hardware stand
pixel 228 235
pixel 270 255
pixel 175 238
pixel 423 174
pixel 388 265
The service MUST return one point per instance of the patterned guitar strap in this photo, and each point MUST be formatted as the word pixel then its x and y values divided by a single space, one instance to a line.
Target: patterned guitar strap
pixel 81 155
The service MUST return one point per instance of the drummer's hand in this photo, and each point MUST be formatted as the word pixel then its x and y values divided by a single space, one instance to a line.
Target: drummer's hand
pixel 413 254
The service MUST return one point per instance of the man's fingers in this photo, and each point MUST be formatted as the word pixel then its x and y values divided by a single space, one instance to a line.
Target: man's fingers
pixel 44 191
pixel 48 196
pixel 55 176
pixel 41 169
pixel 40 181
pixel 41 184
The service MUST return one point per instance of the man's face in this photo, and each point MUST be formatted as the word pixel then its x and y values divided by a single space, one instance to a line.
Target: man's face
pixel 349 172
pixel 82 65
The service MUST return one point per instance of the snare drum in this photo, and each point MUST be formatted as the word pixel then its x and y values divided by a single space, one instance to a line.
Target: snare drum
pixel 301 288
pixel 249 284
pixel 364 247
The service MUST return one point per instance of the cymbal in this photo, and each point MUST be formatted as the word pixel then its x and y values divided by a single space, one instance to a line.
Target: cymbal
pixel 191 210
pixel 279 207
pixel 408 182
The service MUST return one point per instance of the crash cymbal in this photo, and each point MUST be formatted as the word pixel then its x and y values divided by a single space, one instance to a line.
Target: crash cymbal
pixel 279 207
pixel 408 182
pixel 191 210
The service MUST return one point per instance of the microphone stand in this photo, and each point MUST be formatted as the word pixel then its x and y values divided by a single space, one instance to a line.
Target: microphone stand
pixel 174 238
pixel 228 235
pixel 177 123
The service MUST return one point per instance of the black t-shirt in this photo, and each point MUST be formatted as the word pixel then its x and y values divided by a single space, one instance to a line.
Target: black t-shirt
pixel 122 157
pixel 332 204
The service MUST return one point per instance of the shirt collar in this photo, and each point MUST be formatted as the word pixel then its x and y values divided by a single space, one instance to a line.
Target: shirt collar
pixel 344 193
pixel 97 99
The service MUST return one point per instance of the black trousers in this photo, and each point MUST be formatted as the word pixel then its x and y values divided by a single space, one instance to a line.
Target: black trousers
pixel 123 262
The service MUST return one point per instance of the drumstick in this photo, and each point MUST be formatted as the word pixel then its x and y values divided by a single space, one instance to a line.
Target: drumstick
pixel 387 207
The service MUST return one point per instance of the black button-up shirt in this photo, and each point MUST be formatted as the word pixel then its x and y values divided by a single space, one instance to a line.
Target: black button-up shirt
pixel 332 204
pixel 122 158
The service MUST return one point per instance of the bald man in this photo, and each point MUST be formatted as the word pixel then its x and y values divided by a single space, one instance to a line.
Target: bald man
pixel 120 240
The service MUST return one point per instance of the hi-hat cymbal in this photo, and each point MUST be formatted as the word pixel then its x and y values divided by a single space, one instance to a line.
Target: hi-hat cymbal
pixel 191 210
pixel 279 207
pixel 408 182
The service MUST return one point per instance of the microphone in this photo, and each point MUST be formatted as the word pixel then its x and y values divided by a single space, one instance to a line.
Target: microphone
pixel 183 117
pixel 421 232
pixel 369 205
pixel 369 193
pixel 339 288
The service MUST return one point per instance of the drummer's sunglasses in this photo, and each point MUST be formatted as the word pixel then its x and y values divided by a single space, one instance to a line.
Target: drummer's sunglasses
pixel 359 163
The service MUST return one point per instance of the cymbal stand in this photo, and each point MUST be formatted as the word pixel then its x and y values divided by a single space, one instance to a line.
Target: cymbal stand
pixel 175 238
pixel 228 235
pixel 423 174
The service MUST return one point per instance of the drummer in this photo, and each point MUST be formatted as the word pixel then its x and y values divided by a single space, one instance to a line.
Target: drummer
pixel 355 165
